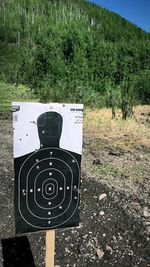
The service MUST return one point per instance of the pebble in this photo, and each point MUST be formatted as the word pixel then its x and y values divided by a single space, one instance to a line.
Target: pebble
pixel 85 236
pixel 102 196
pixel 108 248
pixel 146 212
pixel 97 162
pixel 67 250
pixel 120 237
pixel 148 229
pixel 130 252
pixel 100 253
pixel 80 225
pixel 84 190
pixel 114 238
pixel 102 213
pixel 93 258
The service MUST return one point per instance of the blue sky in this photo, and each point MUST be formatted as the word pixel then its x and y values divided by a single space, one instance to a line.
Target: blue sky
pixel 136 11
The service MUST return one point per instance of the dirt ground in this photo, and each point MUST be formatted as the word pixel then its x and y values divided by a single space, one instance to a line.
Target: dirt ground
pixel 115 208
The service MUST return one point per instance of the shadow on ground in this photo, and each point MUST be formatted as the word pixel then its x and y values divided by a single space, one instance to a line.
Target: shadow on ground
pixel 17 252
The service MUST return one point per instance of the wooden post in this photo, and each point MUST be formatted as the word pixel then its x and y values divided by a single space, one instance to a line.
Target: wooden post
pixel 50 248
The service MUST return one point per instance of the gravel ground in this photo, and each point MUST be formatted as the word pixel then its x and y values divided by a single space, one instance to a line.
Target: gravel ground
pixel 115 212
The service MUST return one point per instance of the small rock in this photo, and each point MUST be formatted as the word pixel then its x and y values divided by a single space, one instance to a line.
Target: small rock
pixel 85 190
pixel 114 238
pixel 146 212
pixel 80 225
pixel 93 258
pixel 131 252
pixel 148 230
pixel 67 250
pixel 101 213
pixel 102 196
pixel 146 223
pixel 99 253
pixel 97 162
pixel 108 248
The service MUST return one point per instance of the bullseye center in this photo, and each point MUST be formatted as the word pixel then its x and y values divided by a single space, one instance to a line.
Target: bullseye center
pixel 49 189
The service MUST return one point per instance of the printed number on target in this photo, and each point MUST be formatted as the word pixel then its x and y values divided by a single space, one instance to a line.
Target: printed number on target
pixel 47 144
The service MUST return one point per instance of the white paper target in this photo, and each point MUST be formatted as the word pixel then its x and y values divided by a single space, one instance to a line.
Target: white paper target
pixel 47 180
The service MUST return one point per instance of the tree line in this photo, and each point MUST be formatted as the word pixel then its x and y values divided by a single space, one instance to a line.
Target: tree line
pixel 75 51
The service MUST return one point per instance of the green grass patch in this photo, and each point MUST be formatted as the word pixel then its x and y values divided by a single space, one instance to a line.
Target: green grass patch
pixel 11 93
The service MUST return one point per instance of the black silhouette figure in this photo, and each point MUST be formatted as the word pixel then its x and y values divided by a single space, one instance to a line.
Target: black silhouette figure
pixel 47 181
pixel 49 129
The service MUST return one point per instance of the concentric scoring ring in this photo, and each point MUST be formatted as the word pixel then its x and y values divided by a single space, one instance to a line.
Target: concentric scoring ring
pixel 38 208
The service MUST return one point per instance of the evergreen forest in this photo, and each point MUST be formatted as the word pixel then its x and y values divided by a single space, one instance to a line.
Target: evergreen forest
pixel 74 51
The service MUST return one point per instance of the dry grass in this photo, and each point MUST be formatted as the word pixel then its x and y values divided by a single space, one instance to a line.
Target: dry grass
pixel 127 134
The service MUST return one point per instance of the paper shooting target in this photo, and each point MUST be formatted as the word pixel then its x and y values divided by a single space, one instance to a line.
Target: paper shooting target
pixel 47 180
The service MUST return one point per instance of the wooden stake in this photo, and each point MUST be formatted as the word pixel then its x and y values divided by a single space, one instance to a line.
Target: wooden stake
pixel 50 248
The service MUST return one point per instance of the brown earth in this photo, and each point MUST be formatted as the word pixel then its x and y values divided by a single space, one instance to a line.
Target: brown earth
pixel 115 209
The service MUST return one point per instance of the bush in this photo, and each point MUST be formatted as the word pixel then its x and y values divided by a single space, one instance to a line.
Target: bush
pixel 10 93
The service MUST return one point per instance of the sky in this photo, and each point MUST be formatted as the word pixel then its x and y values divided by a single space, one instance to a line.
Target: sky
pixel 136 11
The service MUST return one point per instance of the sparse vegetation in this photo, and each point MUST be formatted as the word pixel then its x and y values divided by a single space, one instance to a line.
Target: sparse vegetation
pixel 10 93
pixel 119 148
pixel 125 134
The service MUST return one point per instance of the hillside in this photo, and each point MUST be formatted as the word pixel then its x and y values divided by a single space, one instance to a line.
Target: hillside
pixel 74 51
